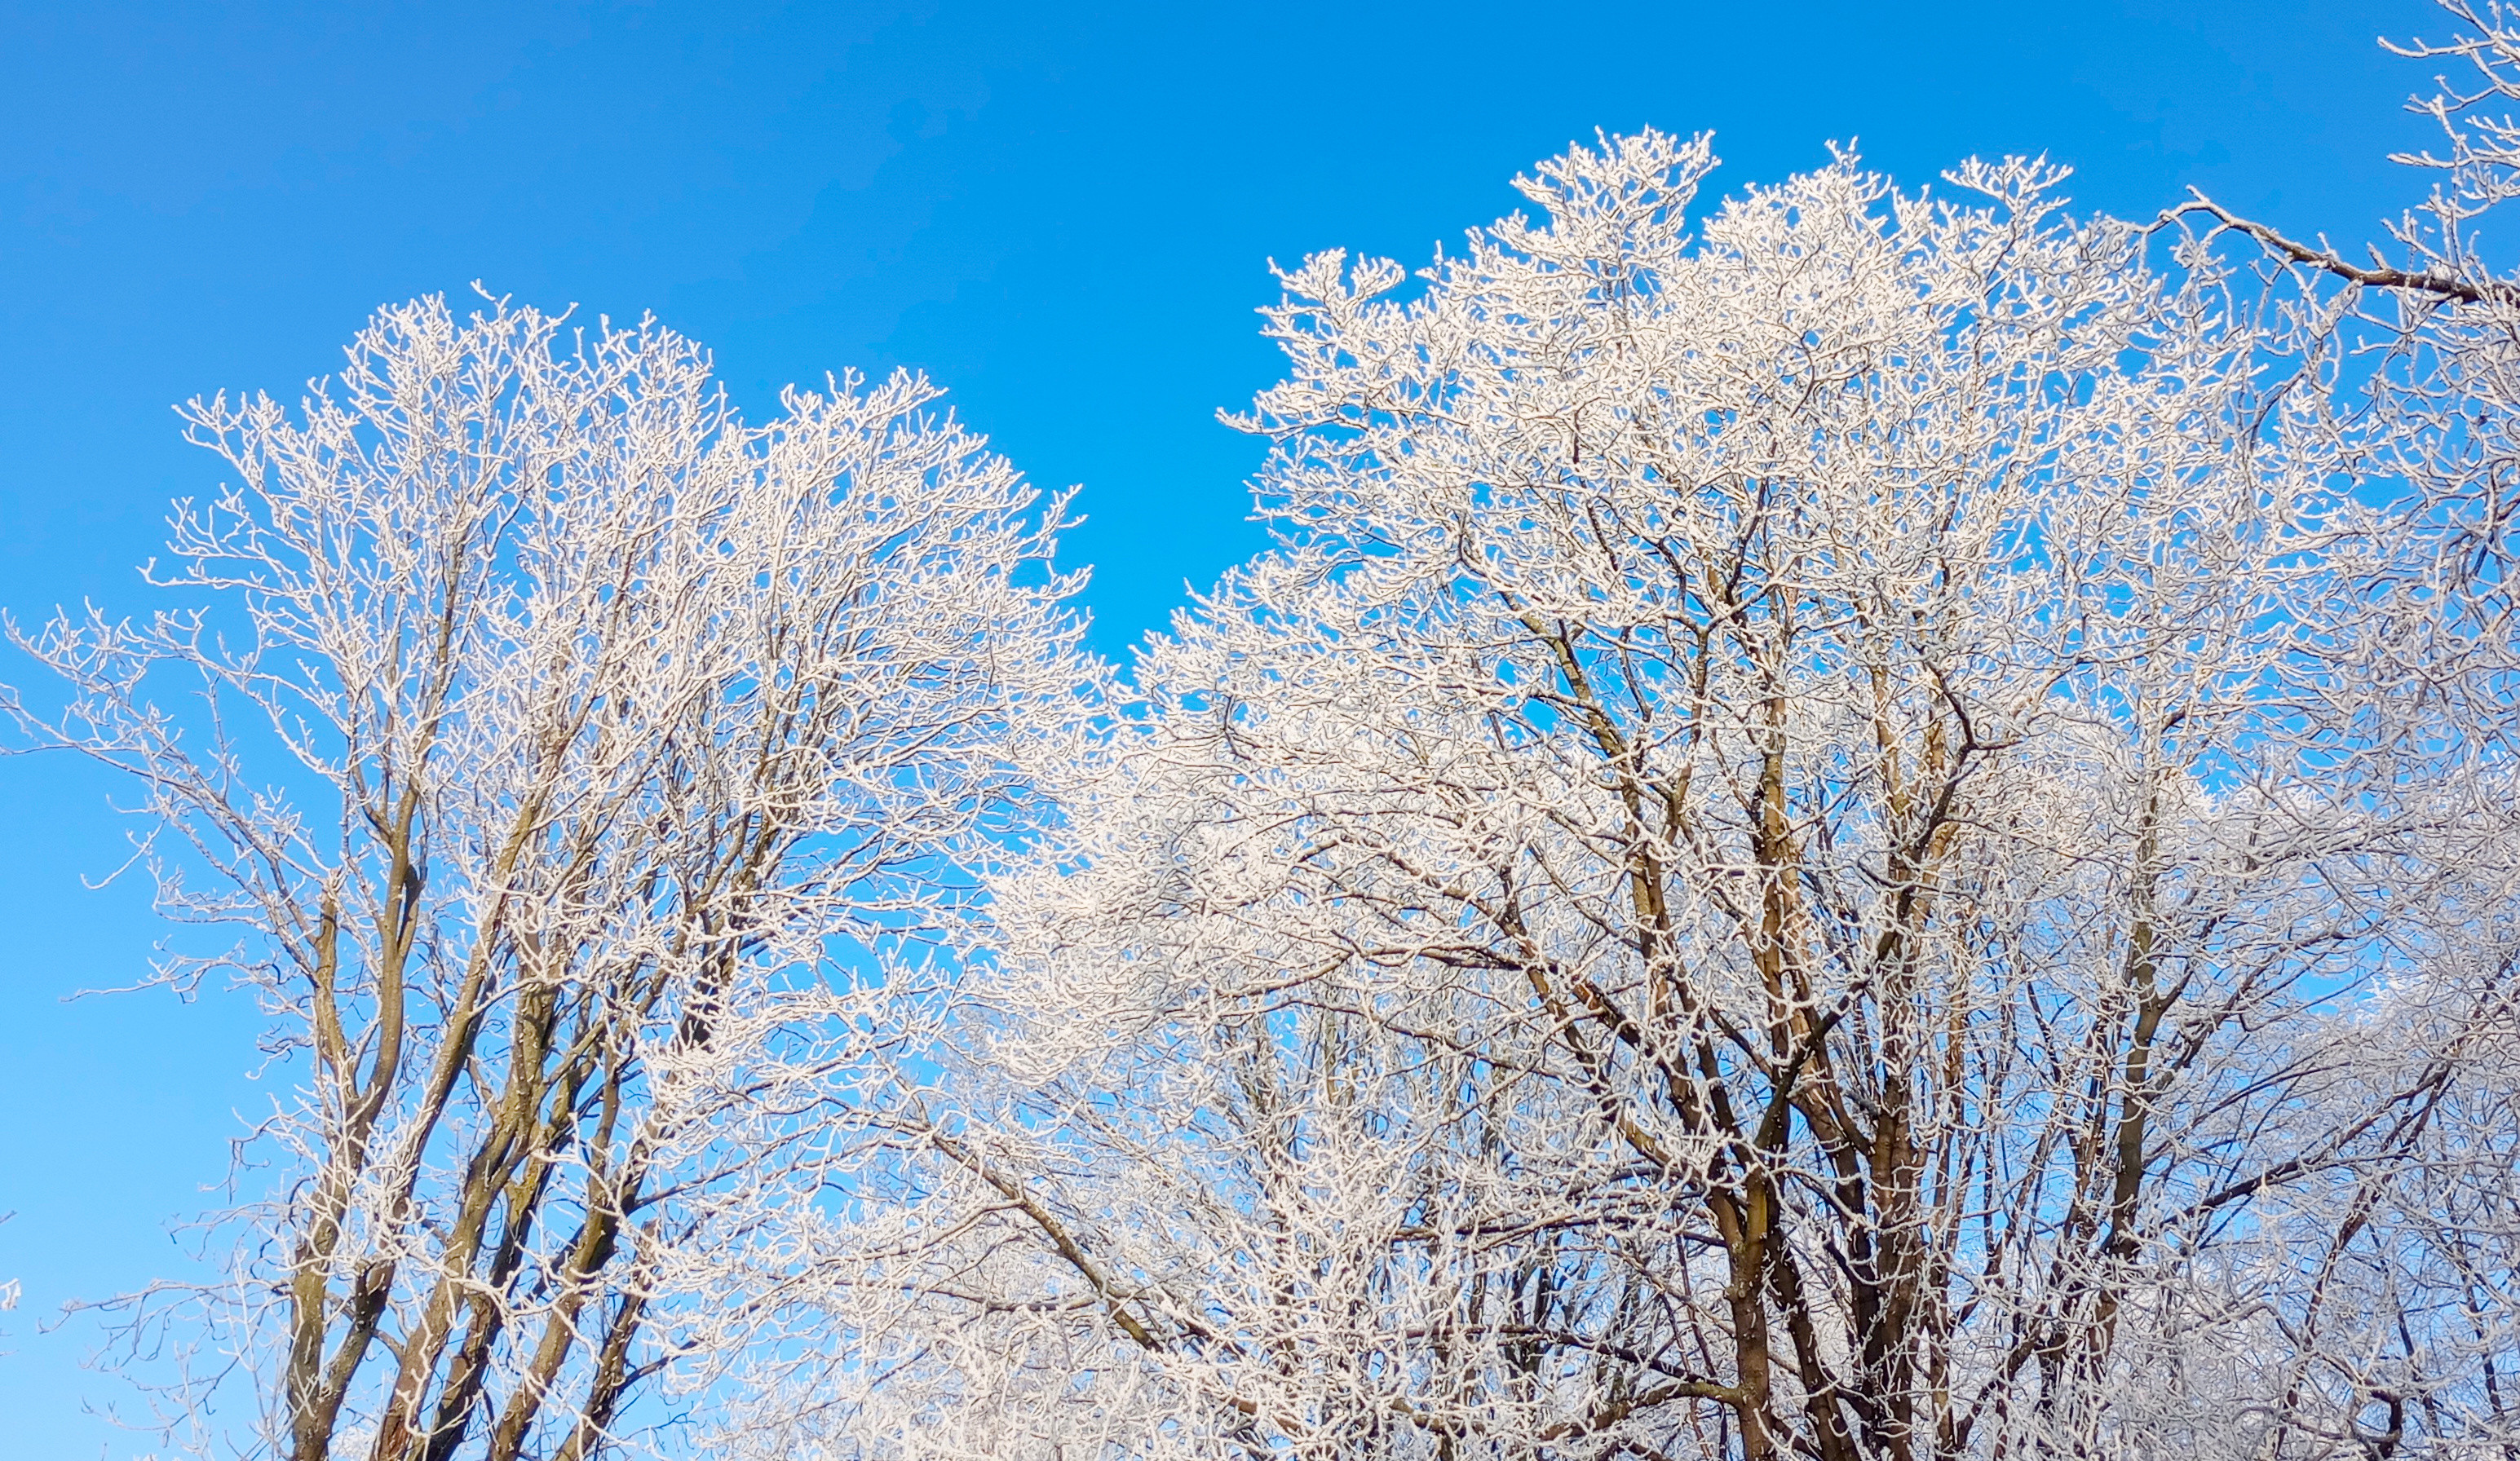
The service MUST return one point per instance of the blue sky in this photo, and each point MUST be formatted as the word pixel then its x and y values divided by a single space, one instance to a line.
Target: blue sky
pixel 1061 212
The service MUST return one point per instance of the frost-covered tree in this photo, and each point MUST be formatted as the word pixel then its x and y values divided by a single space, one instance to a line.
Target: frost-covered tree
pixel 560 754
pixel 1866 826
pixel 2387 1293
pixel 1813 845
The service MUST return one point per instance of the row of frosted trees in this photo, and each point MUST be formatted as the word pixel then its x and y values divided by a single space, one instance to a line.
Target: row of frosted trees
pixel 1860 824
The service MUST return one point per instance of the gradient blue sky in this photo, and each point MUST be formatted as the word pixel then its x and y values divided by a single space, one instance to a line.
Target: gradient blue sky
pixel 1060 212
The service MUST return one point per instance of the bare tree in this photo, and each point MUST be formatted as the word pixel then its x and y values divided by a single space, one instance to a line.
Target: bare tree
pixel 1811 846
pixel 566 755
pixel 2439 325
pixel 2386 1294
pixel 1873 826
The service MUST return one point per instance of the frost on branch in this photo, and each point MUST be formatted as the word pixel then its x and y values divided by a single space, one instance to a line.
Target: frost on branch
pixel 1832 834
pixel 557 757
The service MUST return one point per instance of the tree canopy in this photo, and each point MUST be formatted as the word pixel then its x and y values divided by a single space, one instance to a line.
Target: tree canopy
pixel 1856 823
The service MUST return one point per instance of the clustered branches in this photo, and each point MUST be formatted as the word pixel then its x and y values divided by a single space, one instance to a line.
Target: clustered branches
pixel 1862 825
pixel 596 721
pixel 1849 831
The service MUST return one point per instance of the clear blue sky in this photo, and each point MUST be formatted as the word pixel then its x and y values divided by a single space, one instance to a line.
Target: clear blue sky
pixel 1062 213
